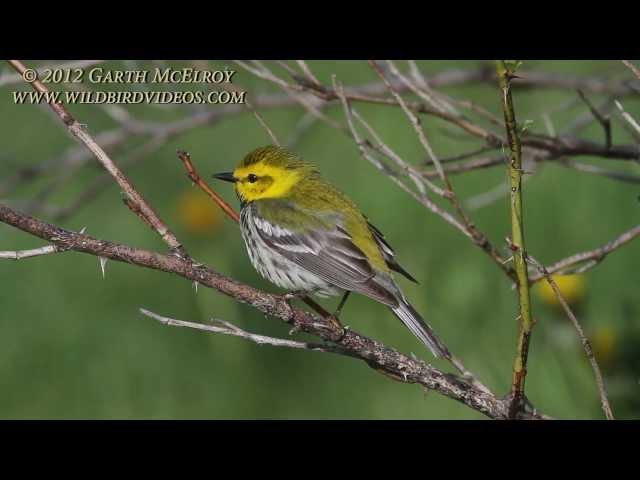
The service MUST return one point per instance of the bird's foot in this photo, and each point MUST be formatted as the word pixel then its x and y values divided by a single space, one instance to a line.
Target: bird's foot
pixel 294 294
pixel 334 322
pixel 338 327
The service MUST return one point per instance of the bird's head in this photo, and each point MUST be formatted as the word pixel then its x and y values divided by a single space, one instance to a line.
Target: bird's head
pixel 267 172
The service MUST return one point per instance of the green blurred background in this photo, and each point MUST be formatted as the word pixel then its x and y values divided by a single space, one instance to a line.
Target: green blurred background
pixel 73 345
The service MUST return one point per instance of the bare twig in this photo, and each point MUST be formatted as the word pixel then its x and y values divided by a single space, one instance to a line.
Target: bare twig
pixel 226 328
pixel 586 345
pixel 195 178
pixel 603 120
pixel 593 257
pixel 474 164
pixel 630 120
pixel 264 125
pixel 411 171
pixel 596 170
pixel 420 87
pixel 34 252
pixel 585 119
pixel 307 71
pixel 413 118
pixel 258 116
pixel 463 156
pixel 632 67
pixel 307 120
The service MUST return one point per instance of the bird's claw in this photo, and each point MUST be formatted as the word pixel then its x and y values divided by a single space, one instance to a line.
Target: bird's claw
pixel 334 322
pixel 342 329
pixel 294 330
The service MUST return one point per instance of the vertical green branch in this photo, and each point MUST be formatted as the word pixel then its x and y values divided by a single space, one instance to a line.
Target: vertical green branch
pixel 505 72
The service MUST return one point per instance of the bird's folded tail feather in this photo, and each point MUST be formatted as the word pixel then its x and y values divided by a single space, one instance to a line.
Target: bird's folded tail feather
pixel 414 322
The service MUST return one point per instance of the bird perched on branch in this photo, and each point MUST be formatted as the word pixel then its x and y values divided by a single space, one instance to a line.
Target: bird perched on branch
pixel 305 235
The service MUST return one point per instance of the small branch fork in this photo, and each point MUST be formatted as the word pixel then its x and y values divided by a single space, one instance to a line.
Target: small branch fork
pixel 603 120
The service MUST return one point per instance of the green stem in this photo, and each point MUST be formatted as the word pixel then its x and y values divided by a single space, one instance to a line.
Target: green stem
pixel 505 74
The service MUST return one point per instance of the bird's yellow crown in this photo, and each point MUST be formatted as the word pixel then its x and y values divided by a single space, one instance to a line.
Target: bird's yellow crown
pixel 269 172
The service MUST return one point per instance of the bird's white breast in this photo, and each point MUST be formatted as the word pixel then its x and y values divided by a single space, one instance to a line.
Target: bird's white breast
pixel 272 265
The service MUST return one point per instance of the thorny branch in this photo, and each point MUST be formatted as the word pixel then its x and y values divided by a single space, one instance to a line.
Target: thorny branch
pixel 505 75
pixel 375 354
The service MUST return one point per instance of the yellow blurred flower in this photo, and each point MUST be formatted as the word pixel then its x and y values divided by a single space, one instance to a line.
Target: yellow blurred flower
pixel 198 213
pixel 572 288
pixel 604 342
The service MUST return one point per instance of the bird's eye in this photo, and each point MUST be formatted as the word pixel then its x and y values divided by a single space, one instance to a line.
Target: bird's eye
pixel 252 178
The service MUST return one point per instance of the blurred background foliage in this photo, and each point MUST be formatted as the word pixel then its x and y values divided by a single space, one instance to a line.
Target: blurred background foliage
pixel 73 345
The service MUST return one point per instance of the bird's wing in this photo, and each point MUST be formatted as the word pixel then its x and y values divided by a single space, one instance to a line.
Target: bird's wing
pixel 388 253
pixel 326 252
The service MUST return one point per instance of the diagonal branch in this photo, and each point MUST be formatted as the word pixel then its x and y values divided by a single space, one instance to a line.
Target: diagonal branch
pixel 195 178
pixel 629 119
pixel 586 345
pixel 375 354
pixel 632 67
pixel 592 257
pixel 603 120
pixel 78 131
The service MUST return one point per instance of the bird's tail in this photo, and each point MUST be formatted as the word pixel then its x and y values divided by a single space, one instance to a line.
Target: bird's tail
pixel 414 322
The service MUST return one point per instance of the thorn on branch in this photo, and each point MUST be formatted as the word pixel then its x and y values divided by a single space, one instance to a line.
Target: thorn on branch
pixel 103 263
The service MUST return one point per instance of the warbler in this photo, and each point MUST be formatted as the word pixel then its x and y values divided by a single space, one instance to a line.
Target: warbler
pixel 304 235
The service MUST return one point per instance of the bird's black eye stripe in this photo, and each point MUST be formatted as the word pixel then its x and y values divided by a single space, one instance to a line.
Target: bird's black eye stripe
pixel 252 178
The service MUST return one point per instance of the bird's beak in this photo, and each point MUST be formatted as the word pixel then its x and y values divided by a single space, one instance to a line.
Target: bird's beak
pixel 226 176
